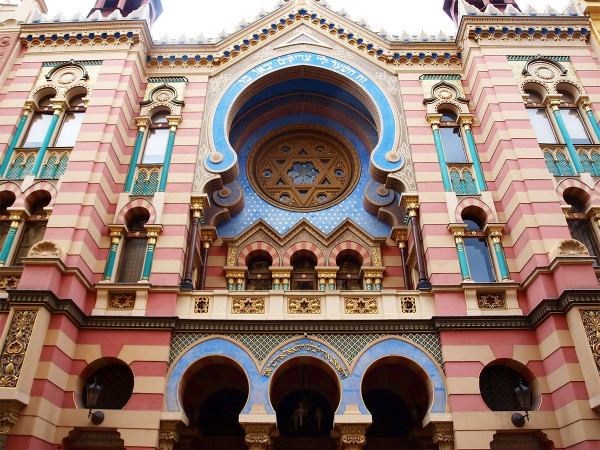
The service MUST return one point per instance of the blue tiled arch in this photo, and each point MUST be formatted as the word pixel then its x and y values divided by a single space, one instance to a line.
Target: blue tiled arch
pixel 387 125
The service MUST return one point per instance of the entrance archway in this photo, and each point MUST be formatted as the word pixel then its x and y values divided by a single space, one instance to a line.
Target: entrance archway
pixel 305 394
pixel 213 398
pixel 397 398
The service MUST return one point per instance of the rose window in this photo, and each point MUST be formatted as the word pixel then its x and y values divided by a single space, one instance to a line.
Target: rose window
pixel 303 169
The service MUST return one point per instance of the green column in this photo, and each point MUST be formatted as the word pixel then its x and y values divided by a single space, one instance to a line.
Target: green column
pixel 10 237
pixel 441 157
pixel 565 134
pixel 42 151
pixel 462 260
pixel 595 125
pixel 135 157
pixel 496 234
pixel 152 235
pixel 474 157
pixel 173 122
pixel 115 236
pixel 14 141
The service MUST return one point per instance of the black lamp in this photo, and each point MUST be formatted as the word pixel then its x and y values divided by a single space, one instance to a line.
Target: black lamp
pixel 523 394
pixel 92 392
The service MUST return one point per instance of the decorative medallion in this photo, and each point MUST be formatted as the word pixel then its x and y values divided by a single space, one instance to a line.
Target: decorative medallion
pixel 408 305
pixel 304 305
pixel 304 169
pixel 248 305
pixel 216 157
pixel 123 301
pixel 15 346
pixel 201 305
pixel 360 305
pixel 544 73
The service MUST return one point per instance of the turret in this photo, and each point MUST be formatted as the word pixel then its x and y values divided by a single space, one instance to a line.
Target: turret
pixel 106 7
pixel 451 6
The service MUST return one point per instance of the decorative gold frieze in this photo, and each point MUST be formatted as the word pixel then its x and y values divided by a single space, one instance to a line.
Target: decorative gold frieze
pixel 377 261
pixel 231 251
pixel 591 323
pixel 491 301
pixel 352 435
pixel 443 435
pixel 15 346
pixel 122 301
pixel 168 434
pixel 201 305
pixel 360 305
pixel 248 305
pixel 304 305
pixel 408 304
pixel 9 282
pixel 258 435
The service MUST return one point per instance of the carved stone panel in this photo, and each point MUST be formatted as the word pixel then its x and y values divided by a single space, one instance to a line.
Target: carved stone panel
pixel 15 346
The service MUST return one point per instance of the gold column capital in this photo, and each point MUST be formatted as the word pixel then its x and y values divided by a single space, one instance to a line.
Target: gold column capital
pixel 585 102
pixel 16 216
pixel 458 231
pixel 199 204
pixel 28 107
pixel 58 106
pixel 116 232
pixel 410 203
pixel 352 435
pixel 400 236
pixel 434 120
pixel 208 235
pixel 466 120
pixel 142 122
pixel 258 435
pixel 553 100
pixel 494 230
pixel 174 122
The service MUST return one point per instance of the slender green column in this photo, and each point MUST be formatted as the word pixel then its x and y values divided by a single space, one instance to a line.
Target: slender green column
pixel 595 125
pixel 37 165
pixel 141 123
pixel 15 139
pixel 495 232
pixel 115 237
pixel 458 230
pixel 10 237
pixel 152 235
pixel 565 134
pixel 173 122
pixel 466 123
pixel 434 120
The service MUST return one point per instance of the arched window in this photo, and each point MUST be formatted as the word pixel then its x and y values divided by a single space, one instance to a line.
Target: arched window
pixel 40 122
pixel 5 218
pixel 33 229
pixel 497 385
pixel 572 119
pixel 71 123
pixel 452 141
pixel 581 228
pixel 133 252
pixel 348 275
pixel 259 274
pixel 156 142
pixel 304 274
pixel 540 121
pixel 477 250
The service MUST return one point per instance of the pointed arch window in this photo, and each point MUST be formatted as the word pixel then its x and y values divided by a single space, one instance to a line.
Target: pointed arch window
pixel 452 141
pixel 71 123
pixel 40 123
pixel 158 137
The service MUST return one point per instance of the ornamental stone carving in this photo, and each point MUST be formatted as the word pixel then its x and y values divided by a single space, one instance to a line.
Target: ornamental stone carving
pixel 258 435
pixel 352 436
pixel 45 249
pixel 591 324
pixel 571 247
pixel 15 346
pixel 168 434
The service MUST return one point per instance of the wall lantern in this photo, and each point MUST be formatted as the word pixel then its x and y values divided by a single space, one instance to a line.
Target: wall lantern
pixel 93 391
pixel 523 394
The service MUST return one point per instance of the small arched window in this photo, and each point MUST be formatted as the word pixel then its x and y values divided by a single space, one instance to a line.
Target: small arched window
pixel 259 274
pixel 156 142
pixel 33 229
pixel 133 252
pixel 304 274
pixel 71 123
pixel 117 386
pixel 40 123
pixel 572 118
pixel 452 141
pixel 580 226
pixel 497 385
pixel 540 121
pixel 477 250
pixel 348 275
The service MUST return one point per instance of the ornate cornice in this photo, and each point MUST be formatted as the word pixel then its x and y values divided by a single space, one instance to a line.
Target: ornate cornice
pixel 560 305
